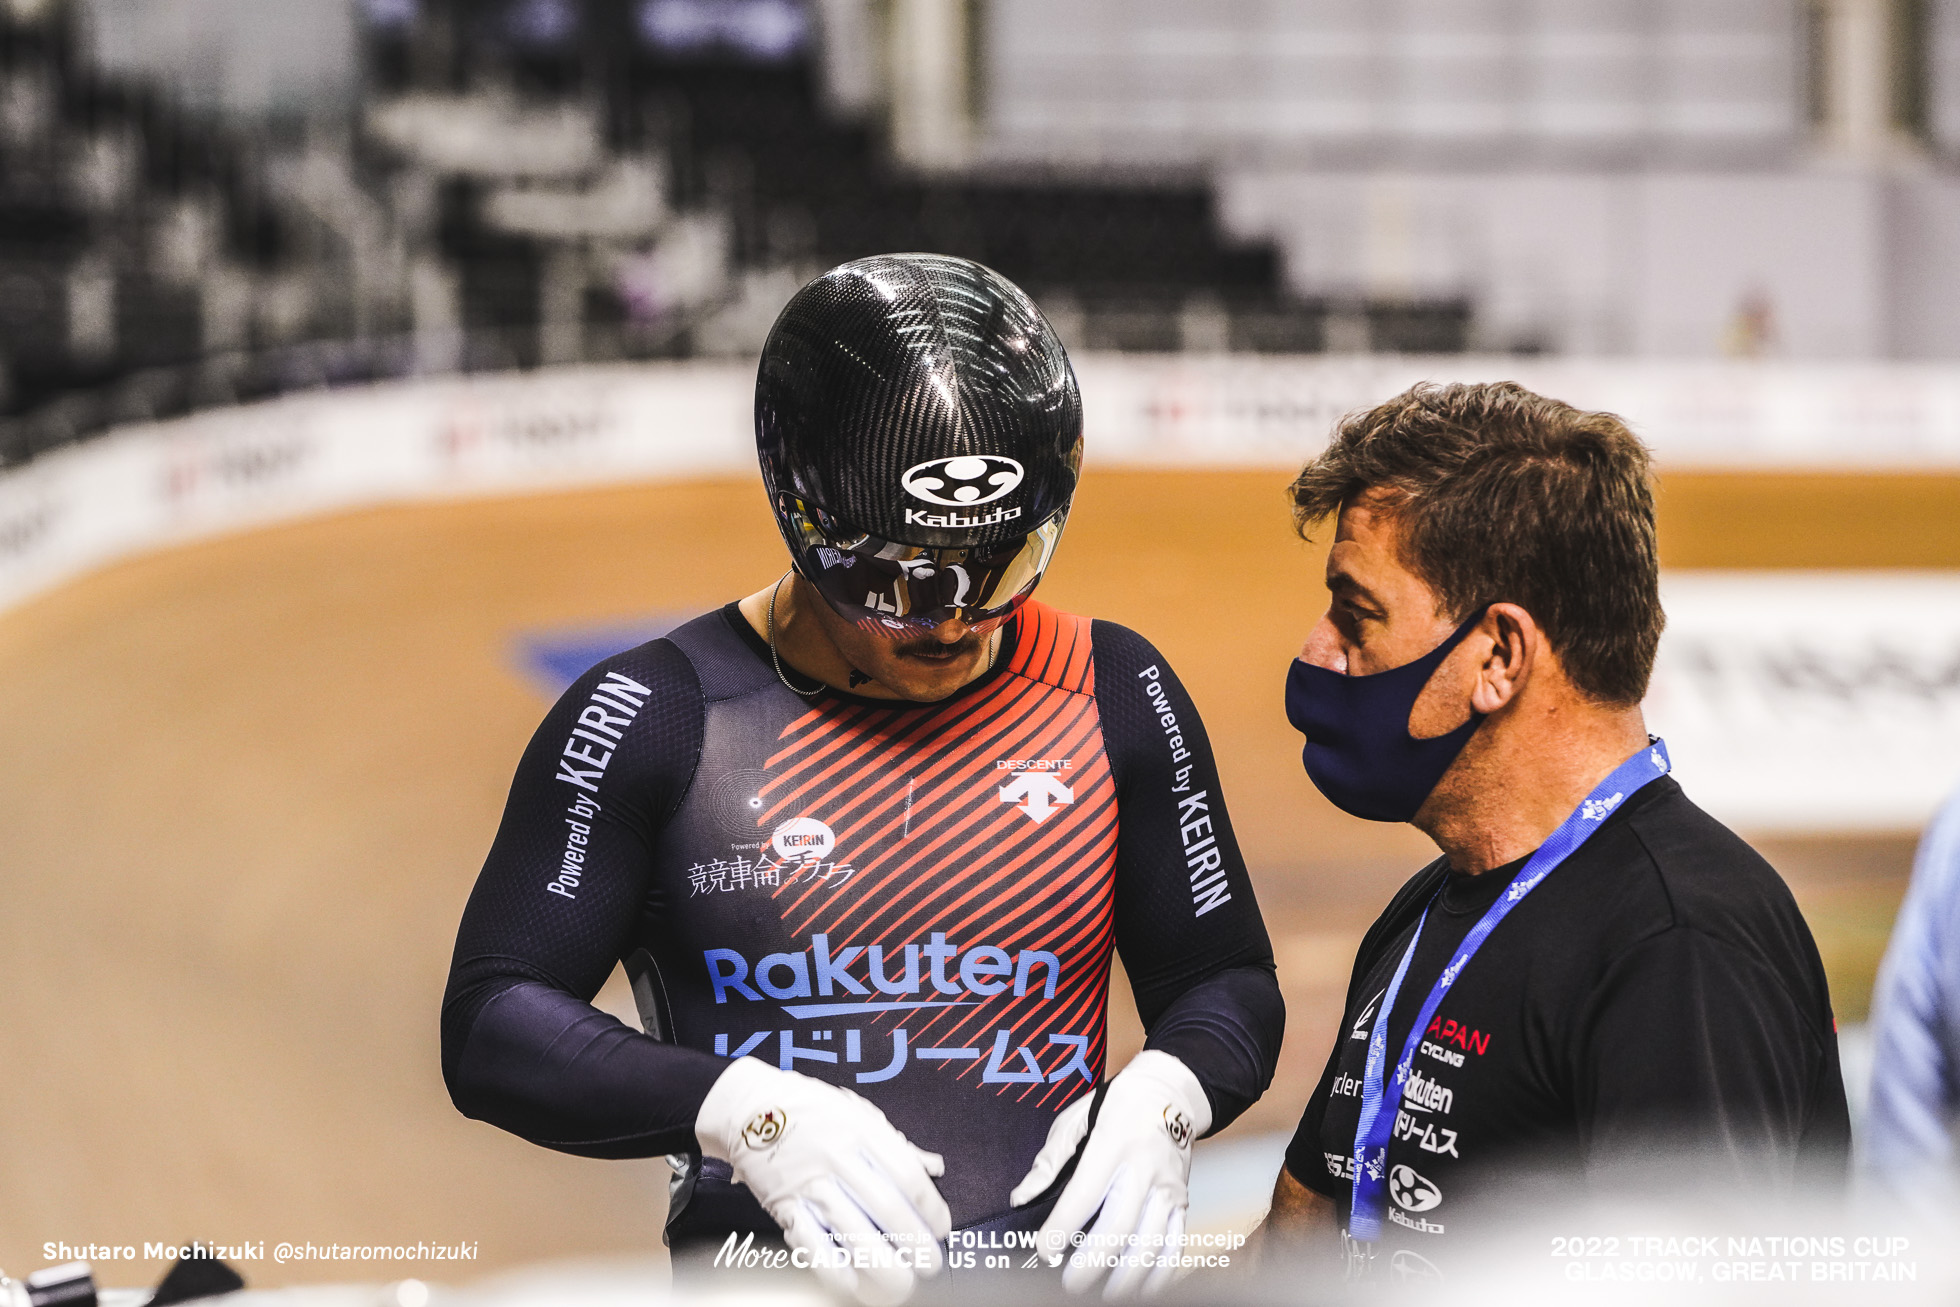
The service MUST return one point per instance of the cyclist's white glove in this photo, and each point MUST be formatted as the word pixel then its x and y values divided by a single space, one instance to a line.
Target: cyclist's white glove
pixel 823 1161
pixel 1136 1168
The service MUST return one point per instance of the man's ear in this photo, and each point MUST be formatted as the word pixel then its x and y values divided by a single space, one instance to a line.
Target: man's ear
pixel 1515 645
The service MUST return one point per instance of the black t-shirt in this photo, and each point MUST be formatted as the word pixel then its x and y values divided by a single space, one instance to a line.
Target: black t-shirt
pixel 917 901
pixel 1655 1010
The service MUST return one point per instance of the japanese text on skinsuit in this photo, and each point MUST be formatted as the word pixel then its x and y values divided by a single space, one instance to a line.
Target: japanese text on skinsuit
pixel 957 978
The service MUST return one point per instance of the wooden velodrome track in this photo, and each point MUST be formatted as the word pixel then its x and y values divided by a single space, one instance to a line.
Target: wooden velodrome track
pixel 246 786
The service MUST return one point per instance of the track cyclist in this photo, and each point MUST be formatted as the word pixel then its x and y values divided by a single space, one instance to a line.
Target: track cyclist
pixel 865 841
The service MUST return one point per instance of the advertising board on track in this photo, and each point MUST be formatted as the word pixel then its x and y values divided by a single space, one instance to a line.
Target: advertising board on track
pixel 1777 728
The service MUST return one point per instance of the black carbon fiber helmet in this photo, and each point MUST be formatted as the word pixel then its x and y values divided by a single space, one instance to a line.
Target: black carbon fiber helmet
pixel 920 434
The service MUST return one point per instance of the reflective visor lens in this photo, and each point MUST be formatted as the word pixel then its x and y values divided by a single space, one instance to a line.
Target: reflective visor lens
pixel 905 590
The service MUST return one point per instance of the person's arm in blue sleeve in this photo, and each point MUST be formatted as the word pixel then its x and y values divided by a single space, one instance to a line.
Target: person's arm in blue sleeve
pixel 1187 924
pixel 1908 1142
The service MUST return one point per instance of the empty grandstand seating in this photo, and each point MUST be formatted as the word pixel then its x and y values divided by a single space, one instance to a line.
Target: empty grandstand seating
pixel 154 261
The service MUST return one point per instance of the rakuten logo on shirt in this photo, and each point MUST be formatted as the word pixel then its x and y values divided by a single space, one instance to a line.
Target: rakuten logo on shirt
pixel 1425 1093
pixel 957 976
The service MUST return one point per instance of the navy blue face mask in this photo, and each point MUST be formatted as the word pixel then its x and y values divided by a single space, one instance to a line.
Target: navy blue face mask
pixel 1359 751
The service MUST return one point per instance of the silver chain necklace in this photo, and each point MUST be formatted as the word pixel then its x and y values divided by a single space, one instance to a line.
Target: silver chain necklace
pixel 777 658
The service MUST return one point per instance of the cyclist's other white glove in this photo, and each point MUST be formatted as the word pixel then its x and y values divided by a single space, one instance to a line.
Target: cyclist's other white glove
pixel 823 1161
pixel 1135 1170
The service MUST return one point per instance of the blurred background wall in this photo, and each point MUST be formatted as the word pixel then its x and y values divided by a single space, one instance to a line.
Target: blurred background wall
pixel 368 366
pixel 207 200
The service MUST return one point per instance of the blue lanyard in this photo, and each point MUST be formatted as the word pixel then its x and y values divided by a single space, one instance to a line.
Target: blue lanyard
pixel 1380 1105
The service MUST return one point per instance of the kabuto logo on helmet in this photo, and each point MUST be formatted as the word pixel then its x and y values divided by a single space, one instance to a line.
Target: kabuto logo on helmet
pixel 962 481
pixel 917 407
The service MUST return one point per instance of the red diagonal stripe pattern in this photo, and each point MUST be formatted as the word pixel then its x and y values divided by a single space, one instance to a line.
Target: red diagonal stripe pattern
pixel 991 821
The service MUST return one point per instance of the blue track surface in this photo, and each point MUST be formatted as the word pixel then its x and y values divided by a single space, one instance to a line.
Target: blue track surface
pixel 553 659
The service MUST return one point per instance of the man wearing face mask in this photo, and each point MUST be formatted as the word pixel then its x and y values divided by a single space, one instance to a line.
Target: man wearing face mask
pixel 1597 986
pixel 865 841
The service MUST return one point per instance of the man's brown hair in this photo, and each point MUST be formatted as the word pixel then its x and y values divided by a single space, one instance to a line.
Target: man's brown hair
pixel 1506 496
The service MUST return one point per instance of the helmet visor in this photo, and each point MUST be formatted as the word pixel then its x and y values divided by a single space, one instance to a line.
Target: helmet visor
pixel 901 590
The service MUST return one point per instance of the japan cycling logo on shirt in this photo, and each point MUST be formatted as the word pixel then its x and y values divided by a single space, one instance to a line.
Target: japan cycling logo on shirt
pixel 803 839
pixel 1410 1191
pixel 962 482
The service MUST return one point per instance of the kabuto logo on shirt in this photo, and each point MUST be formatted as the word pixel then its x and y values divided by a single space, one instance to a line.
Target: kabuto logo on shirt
pixel 1411 1191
